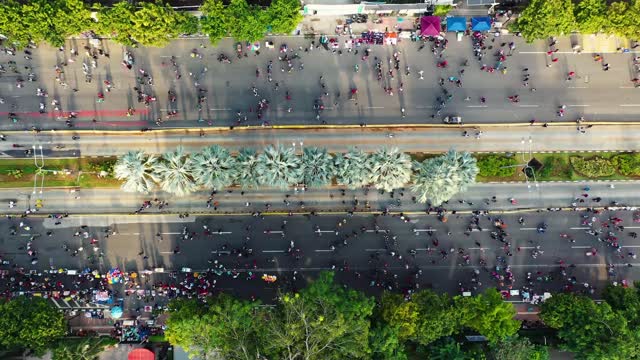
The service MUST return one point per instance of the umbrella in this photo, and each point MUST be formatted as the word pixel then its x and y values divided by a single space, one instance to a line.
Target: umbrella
pixel 141 354
pixel 116 312
pixel 481 23
pixel 456 23
pixel 430 25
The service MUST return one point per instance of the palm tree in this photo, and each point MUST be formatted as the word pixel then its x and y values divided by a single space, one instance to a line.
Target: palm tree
pixel 214 167
pixel 279 167
pixel 440 178
pixel 174 172
pixel 352 169
pixel 137 169
pixel 389 169
pixel 246 162
pixel 318 168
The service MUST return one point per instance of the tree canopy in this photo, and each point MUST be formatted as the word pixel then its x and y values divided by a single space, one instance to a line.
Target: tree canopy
pixel 545 18
pixel 489 315
pixel 591 330
pixel 30 323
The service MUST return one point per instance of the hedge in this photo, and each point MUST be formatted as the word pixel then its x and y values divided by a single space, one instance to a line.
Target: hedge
pixel 593 167
pixel 628 164
pixel 496 166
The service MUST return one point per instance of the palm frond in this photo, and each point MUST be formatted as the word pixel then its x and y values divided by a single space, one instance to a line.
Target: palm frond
pixel 318 167
pixel 214 167
pixel 174 172
pixel 246 163
pixel 137 169
pixel 352 169
pixel 439 179
pixel 389 169
pixel 278 167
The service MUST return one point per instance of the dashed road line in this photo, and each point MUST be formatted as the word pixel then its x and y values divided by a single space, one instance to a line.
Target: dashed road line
pixel 528 229
pixel 272 251
pixel 323 250
pixel 629 105
pixel 580 228
pixel 529 105
pixel 581 247
pixel 371 250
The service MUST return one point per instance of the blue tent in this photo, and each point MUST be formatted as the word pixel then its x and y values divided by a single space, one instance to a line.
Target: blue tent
pixel 481 23
pixel 456 23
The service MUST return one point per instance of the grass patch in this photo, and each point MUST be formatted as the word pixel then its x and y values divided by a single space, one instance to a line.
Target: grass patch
pixel 83 172
pixel 157 338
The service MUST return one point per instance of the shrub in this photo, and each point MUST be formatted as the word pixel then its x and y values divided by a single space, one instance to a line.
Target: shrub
pixel 496 166
pixel 555 166
pixel 592 167
pixel 627 163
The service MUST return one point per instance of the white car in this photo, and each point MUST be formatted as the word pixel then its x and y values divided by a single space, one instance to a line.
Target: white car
pixel 453 120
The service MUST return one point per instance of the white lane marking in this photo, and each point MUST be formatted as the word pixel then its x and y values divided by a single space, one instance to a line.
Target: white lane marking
pixel 578 105
pixel 632 227
pixel 171 233
pixel 529 105
pixel 424 107
pixel 221 252
pixel 323 250
pixel 381 230
pixel 375 250
pixel 127 234
pixel 527 247
pixel 272 251
pixel 528 229
pixel 476 106
pixel 422 249
pixel 166 252
pixel 221 233
pixel 581 228
pixel 629 105
pixel 325 231
pixel 627 87
pixel 168 56
pixel 273 232
pixel 581 247
pixel 425 230
pixel 374 107
pixel 479 248
pixel 578 87
pixel 630 246
pixel 224 109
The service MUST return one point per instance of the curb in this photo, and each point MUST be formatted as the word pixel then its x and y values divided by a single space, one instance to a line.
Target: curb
pixel 328 126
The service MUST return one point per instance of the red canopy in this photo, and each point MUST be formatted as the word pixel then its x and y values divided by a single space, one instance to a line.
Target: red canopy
pixel 430 25
pixel 141 354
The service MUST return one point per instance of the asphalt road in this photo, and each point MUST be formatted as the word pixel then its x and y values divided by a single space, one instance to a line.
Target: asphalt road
pixel 135 244
pixel 415 140
pixel 477 197
pixel 592 92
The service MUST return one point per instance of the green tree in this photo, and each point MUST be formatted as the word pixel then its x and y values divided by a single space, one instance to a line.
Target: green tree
pixel 446 349
pixel 385 343
pixel 623 19
pixel 248 23
pixel 83 349
pixel 400 314
pixel 278 167
pixel 518 348
pixel 592 331
pixel 30 323
pixel 284 16
pixel 214 21
pixel 625 301
pixel 438 317
pixel 174 172
pixel 438 179
pixel 155 24
pixel 389 169
pixel 545 18
pixel 223 325
pixel 12 24
pixel 591 16
pixel 186 24
pixel 117 21
pixel 323 321
pixel 317 167
pixel 137 170
pixel 488 314
pixel 352 169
